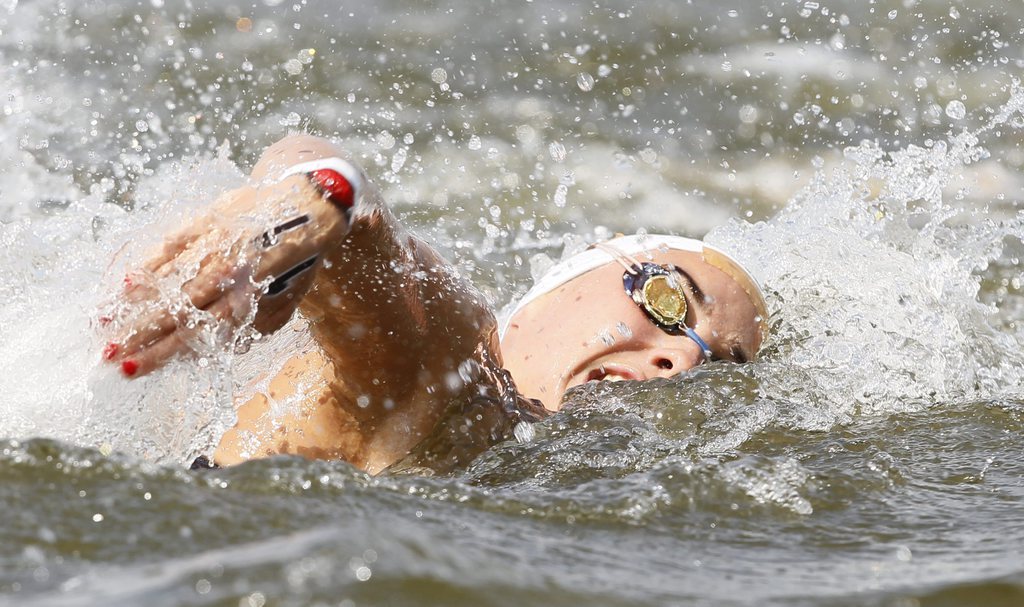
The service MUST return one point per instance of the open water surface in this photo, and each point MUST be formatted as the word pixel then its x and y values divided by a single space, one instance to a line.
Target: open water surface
pixel 863 158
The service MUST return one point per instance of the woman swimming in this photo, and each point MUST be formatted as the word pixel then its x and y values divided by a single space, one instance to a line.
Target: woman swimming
pixel 410 367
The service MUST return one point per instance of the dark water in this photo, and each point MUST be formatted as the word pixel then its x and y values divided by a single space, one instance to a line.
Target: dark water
pixel 872 457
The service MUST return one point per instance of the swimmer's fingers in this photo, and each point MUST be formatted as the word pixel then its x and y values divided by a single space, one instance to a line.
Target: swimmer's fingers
pixel 222 272
pixel 186 255
pixel 204 227
pixel 154 355
pixel 143 362
pixel 275 310
pixel 223 288
pixel 228 270
pixel 221 279
pixel 170 249
pixel 153 324
pixel 182 258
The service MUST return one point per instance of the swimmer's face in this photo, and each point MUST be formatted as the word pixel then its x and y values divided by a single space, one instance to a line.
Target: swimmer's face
pixel 589 329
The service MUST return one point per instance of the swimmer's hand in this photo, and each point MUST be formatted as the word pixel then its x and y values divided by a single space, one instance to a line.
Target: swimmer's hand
pixel 245 263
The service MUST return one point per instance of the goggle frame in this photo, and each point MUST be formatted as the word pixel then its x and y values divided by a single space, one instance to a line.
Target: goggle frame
pixel 638 282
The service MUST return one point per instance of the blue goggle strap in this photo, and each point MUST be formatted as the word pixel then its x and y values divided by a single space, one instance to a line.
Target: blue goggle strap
pixel 704 348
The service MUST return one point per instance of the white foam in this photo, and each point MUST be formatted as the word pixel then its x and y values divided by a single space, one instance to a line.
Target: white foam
pixel 875 273
pixel 57 271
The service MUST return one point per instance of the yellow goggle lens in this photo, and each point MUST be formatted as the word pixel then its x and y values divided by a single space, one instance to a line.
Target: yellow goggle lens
pixel 664 299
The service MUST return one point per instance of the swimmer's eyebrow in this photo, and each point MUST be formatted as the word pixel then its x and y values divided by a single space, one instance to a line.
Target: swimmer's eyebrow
pixel 698 294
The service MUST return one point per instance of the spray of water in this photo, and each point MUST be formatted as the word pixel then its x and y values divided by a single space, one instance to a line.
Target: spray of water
pixel 58 273
pixel 875 271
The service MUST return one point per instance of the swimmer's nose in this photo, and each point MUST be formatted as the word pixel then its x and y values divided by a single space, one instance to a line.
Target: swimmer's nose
pixel 666 362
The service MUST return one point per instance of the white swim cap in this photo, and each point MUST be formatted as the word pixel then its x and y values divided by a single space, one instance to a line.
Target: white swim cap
pixel 596 257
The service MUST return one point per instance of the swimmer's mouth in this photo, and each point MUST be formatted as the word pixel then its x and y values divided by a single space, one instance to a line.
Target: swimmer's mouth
pixel 613 372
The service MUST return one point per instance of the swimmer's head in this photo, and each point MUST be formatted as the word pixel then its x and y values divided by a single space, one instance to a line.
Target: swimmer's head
pixel 690 303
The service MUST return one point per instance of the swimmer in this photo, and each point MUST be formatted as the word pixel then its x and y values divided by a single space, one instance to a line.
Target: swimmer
pixel 409 368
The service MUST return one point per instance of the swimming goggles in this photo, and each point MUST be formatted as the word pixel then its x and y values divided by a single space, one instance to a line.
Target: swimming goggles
pixel 658 290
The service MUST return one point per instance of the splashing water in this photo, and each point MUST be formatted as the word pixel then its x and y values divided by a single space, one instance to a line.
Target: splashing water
pixel 874 281
pixel 876 276
pixel 59 270
pixel 872 456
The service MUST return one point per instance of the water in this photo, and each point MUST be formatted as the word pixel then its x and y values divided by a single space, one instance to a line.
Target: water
pixel 862 158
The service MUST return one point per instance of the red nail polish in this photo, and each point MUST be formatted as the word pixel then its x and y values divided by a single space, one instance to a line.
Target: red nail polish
pixel 129 367
pixel 104 320
pixel 110 351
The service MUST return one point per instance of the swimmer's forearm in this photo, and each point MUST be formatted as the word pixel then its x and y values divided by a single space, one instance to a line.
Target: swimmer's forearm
pixel 393 303
pixel 399 327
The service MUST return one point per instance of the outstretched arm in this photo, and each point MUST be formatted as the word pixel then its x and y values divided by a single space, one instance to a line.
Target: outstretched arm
pixel 400 335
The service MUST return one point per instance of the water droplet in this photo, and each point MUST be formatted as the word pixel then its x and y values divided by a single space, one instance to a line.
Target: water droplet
pixel 398 160
pixel 557 151
pixel 954 13
pixel 142 126
pixel 748 114
pixel 474 143
pixel 561 194
pixel 956 110
pixel 385 140
pixel 293 67
pixel 439 75
pixel 585 81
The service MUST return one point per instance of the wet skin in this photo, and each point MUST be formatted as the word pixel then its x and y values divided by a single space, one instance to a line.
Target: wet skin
pixel 589 329
pixel 392 322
